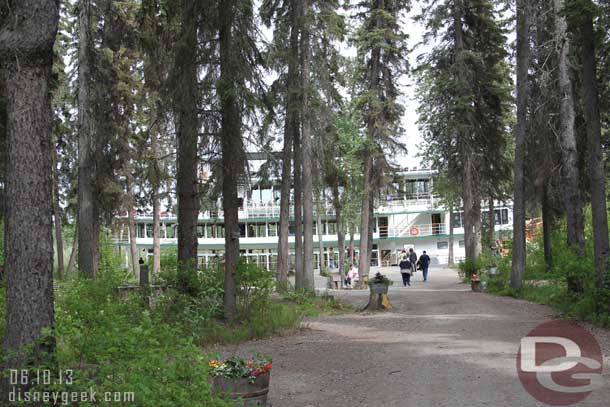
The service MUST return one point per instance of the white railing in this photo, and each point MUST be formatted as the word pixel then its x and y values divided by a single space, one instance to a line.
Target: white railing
pixel 272 210
pixel 432 229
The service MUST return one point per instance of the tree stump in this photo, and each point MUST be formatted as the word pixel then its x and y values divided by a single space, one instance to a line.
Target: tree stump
pixel 378 298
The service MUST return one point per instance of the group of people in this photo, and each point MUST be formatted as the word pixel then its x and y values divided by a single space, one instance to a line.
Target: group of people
pixel 409 264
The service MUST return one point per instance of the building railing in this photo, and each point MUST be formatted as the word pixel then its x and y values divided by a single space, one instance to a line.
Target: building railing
pixel 433 229
pixel 272 210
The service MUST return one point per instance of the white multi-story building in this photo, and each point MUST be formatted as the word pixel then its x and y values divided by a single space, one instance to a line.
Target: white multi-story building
pixel 411 216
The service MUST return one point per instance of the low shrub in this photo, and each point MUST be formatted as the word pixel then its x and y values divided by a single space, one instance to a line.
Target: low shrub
pixel 254 287
pixel 569 285
pixel 120 346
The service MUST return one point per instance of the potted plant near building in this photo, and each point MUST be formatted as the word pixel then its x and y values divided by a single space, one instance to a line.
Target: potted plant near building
pixel 245 381
pixel 475 283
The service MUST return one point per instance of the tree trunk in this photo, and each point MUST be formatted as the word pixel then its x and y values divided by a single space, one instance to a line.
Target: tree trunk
pixel 73 253
pixel 523 60
pixel 596 162
pixel 351 246
pixel 450 255
pixel 371 230
pixel 340 232
pixel 471 195
pixel 57 218
pixel 186 99
pixel 88 203
pixel 133 246
pixel 319 228
pixel 291 128
pixel 547 229
pixel 156 200
pixel 491 236
pixel 232 152
pixel 283 253
pixel 472 210
pixel 306 141
pixel 298 215
pixel 567 138
pixel 153 84
pixel 364 261
pixel 26 49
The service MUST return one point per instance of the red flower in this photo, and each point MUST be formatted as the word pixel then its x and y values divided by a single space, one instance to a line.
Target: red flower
pixel 268 366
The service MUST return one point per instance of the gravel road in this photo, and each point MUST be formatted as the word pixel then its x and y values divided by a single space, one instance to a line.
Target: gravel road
pixel 441 346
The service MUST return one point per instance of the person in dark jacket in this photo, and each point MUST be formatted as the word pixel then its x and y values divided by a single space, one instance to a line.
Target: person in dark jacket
pixel 424 262
pixel 413 260
pixel 405 268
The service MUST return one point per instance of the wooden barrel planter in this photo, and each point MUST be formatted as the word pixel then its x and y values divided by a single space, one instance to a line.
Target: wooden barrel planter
pixel 476 286
pixel 244 392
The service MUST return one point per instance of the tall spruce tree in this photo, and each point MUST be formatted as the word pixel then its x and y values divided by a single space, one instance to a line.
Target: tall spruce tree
pixel 88 144
pixel 307 147
pixel 381 55
pixel 239 93
pixel 464 93
pixel 523 63
pixel 185 101
pixel 27 34
pixel 582 13
pixel 284 55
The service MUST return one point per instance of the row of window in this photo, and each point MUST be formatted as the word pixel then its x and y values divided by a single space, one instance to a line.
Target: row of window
pixel 408 188
pixel 445 245
pixel 267 229
pixel 501 216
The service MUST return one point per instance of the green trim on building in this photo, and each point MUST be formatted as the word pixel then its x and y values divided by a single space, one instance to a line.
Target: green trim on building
pixel 291 244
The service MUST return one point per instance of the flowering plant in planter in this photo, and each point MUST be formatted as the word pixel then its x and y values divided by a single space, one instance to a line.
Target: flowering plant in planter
pixel 381 279
pixel 237 367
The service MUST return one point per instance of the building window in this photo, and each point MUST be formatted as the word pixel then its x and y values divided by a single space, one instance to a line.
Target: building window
pixel 251 230
pixel 291 230
pixel 272 229
pixel 461 244
pixel 140 231
pixel 170 232
pixel 458 220
pixel 442 245
pixel 242 230
pixel 220 231
pixel 200 231
pixel 332 228
pixel 500 216
pixel 149 230
pixel 261 230
pixel 209 231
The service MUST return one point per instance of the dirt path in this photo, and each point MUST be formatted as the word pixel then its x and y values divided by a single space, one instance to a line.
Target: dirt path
pixel 443 345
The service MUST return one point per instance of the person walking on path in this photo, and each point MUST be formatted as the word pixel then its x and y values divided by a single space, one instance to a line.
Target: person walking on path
pixel 405 268
pixel 424 263
pixel 413 260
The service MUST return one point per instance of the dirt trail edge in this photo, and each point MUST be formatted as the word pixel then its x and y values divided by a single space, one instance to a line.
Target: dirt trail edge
pixel 442 345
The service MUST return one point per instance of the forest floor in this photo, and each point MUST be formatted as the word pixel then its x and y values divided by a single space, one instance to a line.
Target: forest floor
pixel 441 345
